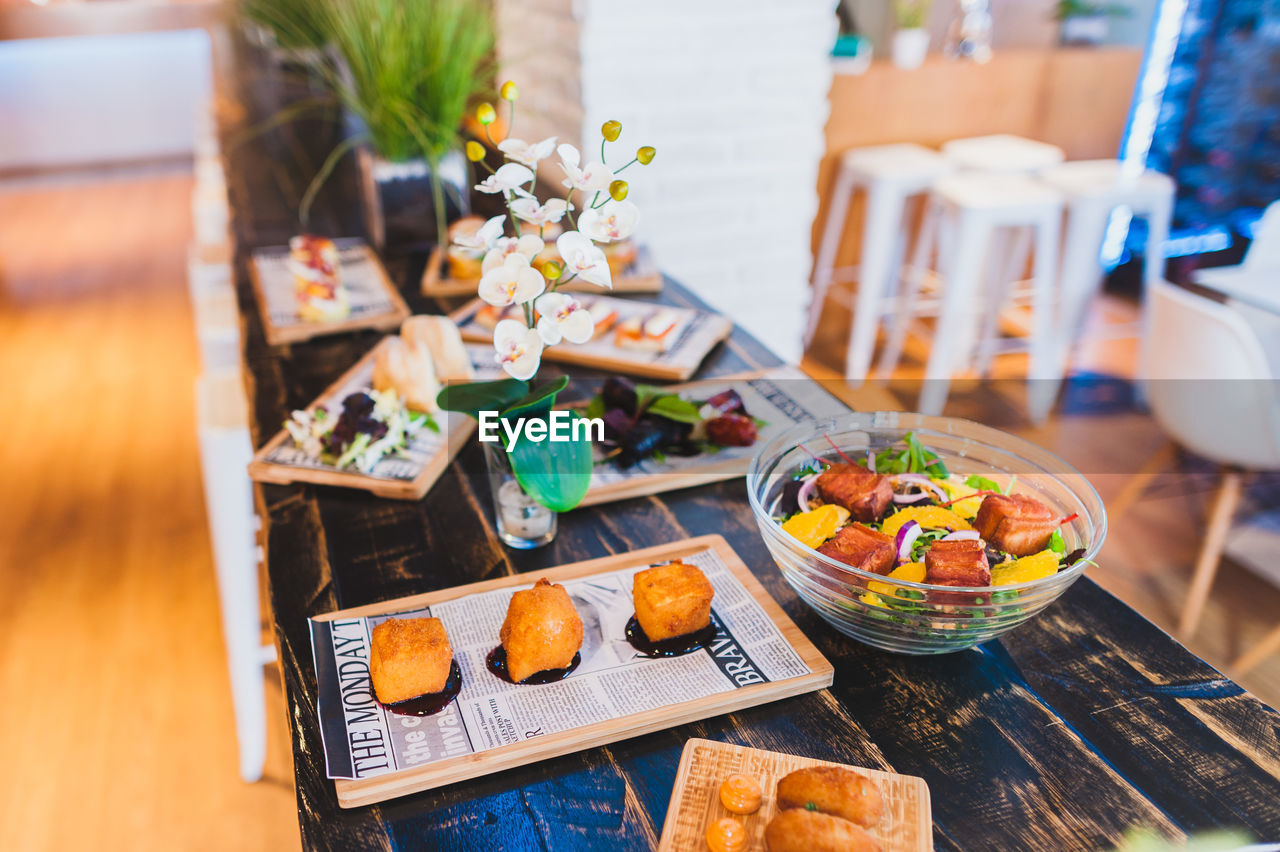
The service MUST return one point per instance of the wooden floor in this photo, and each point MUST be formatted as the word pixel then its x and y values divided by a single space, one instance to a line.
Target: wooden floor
pixel 116 724
pixel 112 662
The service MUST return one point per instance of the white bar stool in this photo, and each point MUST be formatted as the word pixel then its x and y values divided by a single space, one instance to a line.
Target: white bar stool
pixel 1093 190
pixel 965 215
pixel 1002 153
pixel 890 175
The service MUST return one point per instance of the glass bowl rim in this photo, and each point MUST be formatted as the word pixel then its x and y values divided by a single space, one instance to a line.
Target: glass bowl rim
pixel 1008 442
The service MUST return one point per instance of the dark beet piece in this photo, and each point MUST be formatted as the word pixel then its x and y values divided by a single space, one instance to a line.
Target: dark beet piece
pixel 727 402
pixel 617 423
pixel 640 442
pixel 618 392
pixel 357 404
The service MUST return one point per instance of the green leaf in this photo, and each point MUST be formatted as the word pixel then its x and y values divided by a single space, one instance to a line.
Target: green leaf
pixel 473 397
pixel 1056 544
pixel 594 408
pixel 646 394
pixel 674 408
pixel 555 473
pixel 537 402
pixel 982 483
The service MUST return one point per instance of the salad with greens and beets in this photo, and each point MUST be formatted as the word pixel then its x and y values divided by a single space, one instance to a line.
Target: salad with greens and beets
pixel 370 426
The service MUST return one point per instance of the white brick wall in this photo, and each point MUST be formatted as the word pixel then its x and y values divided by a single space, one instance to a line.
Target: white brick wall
pixel 732 93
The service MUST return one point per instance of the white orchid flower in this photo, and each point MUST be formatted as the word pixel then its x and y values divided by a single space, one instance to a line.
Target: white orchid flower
pixel 530 211
pixel 528 154
pixel 483 237
pixel 510 177
pixel 596 177
pixel 514 282
pixel 528 245
pixel 583 257
pixel 613 220
pixel 563 316
pixel 519 348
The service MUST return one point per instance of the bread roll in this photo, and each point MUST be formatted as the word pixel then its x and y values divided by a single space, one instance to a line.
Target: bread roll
pixel 832 790
pixel 407 368
pixel 440 335
pixel 799 830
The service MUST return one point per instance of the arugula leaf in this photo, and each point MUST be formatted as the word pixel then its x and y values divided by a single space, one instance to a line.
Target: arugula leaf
pixel 594 408
pixel 981 483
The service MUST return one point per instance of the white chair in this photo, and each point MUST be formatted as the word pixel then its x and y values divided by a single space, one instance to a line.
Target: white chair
pixel 225 452
pixel 1260 268
pixel 966 217
pixel 1210 386
pixel 890 175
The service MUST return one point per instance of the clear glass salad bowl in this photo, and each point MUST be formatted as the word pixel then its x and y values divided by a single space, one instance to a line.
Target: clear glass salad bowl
pixel 899 615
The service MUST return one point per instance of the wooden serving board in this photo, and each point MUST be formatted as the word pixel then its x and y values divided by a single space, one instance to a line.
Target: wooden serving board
pixel 357 792
pixel 642 276
pixel 907 824
pixel 698 333
pixel 798 398
pixel 275 464
pixel 375 301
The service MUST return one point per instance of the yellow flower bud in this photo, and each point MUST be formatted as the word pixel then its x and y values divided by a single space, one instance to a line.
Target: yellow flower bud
pixel 552 270
pixel 485 114
pixel 610 130
pixel 618 190
pixel 645 155
pixel 509 91
pixel 475 151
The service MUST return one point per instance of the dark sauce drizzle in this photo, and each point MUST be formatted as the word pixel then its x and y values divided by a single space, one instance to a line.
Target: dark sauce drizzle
pixel 496 662
pixel 433 702
pixel 676 646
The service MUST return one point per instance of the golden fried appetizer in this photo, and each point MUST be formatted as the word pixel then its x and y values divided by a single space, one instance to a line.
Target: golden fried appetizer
pixel 542 630
pixel 865 494
pixel 862 547
pixel 957 563
pixel 409 657
pixel 1015 523
pixel 832 790
pixel 798 830
pixel 672 600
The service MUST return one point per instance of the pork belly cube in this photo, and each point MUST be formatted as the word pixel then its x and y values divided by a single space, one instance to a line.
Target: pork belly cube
pixel 1015 523
pixel 865 494
pixel 862 547
pixel 409 657
pixel 672 600
pixel 957 563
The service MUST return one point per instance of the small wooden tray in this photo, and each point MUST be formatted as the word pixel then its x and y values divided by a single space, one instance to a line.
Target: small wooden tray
pixel 907 824
pixel 642 276
pixel 375 301
pixel 698 335
pixel 267 467
pixel 730 463
pixel 366 791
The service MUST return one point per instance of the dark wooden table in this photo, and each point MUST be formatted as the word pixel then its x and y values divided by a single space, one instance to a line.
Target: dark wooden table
pixel 1080 725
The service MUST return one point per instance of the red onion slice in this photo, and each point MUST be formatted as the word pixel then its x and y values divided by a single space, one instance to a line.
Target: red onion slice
pixel 911 498
pixel 906 537
pixel 871 461
pixel 806 491
pixel 924 482
pixel 961 535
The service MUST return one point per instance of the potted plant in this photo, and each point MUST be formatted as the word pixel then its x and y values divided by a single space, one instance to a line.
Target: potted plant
pixel 532 480
pixel 1083 22
pixel 911 39
pixel 292 29
pixel 407 72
